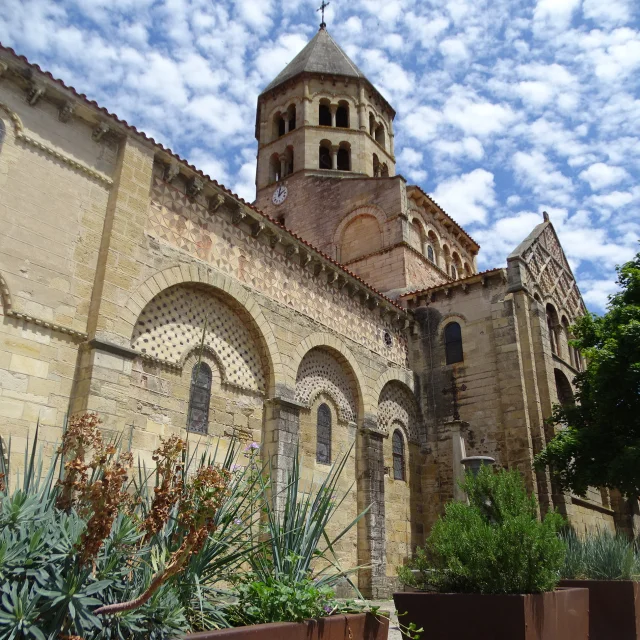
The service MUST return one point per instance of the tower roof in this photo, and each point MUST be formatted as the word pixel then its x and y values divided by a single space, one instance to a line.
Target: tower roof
pixel 321 55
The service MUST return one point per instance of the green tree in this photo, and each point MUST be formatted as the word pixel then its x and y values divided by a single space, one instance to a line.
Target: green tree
pixel 598 443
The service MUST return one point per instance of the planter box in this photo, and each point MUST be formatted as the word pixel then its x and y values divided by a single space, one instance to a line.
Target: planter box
pixel 557 615
pixel 614 608
pixel 359 626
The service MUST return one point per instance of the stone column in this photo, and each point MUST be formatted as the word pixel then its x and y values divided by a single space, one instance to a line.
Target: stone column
pixel 283 165
pixel 280 440
pixel 306 103
pixel 334 109
pixel 334 156
pixel 372 581
pixel 286 123
pixel 363 125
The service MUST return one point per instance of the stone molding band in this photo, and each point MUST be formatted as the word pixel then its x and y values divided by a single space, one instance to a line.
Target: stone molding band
pixel 62 157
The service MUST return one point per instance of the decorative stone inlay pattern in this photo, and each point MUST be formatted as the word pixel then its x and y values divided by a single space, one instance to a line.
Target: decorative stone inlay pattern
pixel 547 266
pixel 171 326
pixel 320 372
pixel 397 404
pixel 187 224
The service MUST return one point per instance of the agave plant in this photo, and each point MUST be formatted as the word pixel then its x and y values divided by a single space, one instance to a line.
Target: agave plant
pixel 83 537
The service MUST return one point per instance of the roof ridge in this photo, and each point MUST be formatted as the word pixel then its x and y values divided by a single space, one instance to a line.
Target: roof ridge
pixel 344 54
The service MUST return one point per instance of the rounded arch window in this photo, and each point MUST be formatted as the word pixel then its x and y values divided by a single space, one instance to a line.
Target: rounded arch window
pixel 324 115
pixel 342 115
pixel 324 157
pixel 323 434
pixel 454 272
pixel 397 445
pixel 453 343
pixel 563 388
pixel 430 254
pixel 344 159
pixel 199 398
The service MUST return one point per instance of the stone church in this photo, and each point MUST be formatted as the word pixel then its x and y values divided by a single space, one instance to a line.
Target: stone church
pixel 343 306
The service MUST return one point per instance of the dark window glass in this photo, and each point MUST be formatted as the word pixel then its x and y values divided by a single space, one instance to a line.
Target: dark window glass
pixel 199 398
pixel 324 161
pixel 292 120
pixel 323 435
pixel 342 117
pixel 398 455
pixel 430 254
pixel 324 117
pixel 281 127
pixel 453 342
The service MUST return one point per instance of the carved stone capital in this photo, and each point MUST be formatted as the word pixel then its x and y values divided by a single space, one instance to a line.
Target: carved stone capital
pixel 305 258
pixel 332 277
pixel 195 186
pixel 274 238
pixel 291 250
pixel 100 130
pixel 34 93
pixel 66 111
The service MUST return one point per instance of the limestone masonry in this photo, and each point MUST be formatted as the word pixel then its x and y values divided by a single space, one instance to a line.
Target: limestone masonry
pixel 336 309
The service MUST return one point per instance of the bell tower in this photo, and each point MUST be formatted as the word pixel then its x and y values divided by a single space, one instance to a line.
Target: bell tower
pixel 320 118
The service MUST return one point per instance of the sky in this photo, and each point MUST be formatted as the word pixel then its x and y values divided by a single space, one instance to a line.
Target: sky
pixel 505 108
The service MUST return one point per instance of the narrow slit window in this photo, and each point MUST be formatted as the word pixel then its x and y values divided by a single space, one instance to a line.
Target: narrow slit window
pixel 398 456
pixel 323 435
pixel 430 254
pixel 199 398
pixel 453 343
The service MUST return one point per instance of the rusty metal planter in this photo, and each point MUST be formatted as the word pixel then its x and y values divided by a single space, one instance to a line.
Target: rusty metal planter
pixel 556 615
pixel 614 608
pixel 358 626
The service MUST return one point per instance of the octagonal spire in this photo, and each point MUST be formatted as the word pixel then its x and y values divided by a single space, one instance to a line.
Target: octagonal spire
pixel 321 55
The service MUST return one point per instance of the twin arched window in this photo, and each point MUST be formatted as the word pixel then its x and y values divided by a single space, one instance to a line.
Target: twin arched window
pixel 199 398
pixel 323 435
pixel 453 343
pixel 397 443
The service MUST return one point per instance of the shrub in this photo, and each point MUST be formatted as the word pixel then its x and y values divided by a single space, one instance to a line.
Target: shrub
pixel 601 556
pixel 494 544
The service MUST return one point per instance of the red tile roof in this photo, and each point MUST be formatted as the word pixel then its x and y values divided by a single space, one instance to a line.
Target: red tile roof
pixel 133 129
pixel 453 283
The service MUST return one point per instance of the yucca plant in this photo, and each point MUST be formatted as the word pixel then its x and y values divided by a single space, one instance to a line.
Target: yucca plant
pixel 294 566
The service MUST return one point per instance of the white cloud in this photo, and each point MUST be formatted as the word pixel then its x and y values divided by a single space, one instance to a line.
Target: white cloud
pixel 610 12
pixel 454 50
pixel 477 117
pixel 467 197
pixel 613 200
pixel 555 14
pixel 600 175
pixel 538 173
pixel 596 293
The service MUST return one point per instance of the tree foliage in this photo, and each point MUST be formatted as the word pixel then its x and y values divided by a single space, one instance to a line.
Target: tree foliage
pixel 598 443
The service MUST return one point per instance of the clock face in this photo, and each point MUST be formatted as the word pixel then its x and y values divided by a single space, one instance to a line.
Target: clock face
pixel 279 195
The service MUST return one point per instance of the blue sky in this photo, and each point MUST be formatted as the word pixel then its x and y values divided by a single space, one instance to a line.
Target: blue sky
pixel 505 108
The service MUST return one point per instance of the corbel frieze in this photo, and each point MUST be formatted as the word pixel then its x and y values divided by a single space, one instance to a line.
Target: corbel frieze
pixel 19 133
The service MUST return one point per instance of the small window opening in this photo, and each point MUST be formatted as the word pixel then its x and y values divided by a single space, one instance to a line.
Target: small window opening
pixel 388 340
pixel 454 272
pixel 292 117
pixel 372 125
pixel 398 456
pixel 344 161
pixel 324 116
pixel 199 398
pixel 453 343
pixel 384 173
pixel 380 138
pixel 342 117
pixel 323 435
pixel 324 161
pixel 430 255
pixel 376 166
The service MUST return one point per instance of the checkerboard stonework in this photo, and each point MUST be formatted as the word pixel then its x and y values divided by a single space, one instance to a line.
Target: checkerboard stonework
pixel 116 255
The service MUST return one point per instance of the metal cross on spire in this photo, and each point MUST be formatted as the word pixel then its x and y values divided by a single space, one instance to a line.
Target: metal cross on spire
pixel 322 7
pixel 453 390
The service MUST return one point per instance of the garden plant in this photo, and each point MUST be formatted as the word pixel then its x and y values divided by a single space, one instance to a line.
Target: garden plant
pixel 495 544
